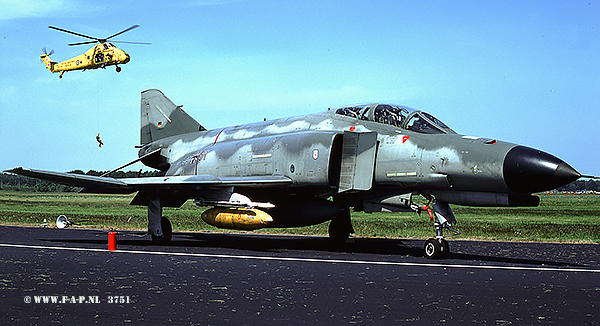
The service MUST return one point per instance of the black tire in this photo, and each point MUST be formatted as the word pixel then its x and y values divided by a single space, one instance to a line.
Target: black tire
pixel 445 248
pixel 437 248
pixel 167 230
pixel 340 227
pixel 433 248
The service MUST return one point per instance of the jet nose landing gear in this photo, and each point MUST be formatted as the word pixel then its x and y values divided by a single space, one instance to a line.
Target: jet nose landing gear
pixel 442 218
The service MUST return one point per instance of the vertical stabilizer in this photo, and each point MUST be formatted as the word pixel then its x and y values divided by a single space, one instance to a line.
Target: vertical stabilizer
pixel 161 118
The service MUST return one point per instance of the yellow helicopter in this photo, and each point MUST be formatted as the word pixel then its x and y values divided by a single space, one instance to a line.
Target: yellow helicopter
pixel 101 55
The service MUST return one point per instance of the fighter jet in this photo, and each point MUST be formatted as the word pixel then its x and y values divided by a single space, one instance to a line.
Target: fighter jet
pixel 310 169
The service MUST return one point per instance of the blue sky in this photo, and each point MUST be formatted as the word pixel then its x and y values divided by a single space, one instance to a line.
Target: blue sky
pixel 520 71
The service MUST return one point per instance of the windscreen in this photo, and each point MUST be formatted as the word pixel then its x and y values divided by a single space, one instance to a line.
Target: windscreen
pixel 427 124
pixel 397 116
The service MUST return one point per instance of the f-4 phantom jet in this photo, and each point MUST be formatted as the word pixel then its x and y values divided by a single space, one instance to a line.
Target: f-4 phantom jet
pixel 309 169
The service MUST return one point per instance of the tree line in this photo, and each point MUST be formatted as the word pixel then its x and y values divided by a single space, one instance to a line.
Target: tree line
pixel 581 185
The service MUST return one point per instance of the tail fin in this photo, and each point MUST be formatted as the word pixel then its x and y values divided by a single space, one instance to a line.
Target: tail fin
pixel 161 118
pixel 49 63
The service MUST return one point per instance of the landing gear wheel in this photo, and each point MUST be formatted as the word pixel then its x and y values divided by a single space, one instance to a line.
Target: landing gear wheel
pixel 118 69
pixel 167 230
pixel 340 227
pixel 445 249
pixel 436 248
pixel 432 248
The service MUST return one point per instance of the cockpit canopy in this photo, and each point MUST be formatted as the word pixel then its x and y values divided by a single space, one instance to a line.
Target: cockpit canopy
pixel 397 116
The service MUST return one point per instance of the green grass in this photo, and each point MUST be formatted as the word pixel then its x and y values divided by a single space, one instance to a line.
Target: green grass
pixel 559 218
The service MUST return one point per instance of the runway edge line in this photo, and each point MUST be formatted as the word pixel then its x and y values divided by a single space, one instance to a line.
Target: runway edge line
pixel 312 260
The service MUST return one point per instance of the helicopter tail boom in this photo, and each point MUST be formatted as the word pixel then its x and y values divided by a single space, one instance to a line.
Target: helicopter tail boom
pixel 49 63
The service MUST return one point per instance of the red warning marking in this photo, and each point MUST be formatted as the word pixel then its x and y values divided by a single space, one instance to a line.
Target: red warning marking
pixel 216 138
pixel 352 128
pixel 404 139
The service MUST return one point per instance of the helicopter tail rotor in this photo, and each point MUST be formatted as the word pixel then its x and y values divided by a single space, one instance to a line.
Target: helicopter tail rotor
pixel 46 53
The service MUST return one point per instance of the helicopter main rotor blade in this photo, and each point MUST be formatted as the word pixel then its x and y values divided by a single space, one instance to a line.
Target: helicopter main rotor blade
pixel 81 43
pixel 96 39
pixel 121 32
pixel 66 31
pixel 131 42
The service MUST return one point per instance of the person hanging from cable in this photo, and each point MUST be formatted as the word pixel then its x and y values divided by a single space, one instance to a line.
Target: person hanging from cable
pixel 100 143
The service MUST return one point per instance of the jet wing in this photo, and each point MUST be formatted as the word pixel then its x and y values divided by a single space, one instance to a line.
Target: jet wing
pixel 107 185
pixel 93 184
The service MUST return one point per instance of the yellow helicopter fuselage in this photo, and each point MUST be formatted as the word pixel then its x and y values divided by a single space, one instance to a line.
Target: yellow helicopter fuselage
pixel 100 56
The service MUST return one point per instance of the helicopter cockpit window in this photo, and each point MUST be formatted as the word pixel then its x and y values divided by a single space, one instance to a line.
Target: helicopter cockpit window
pixel 99 57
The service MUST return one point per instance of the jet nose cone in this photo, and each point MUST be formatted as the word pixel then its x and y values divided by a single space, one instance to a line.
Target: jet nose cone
pixel 527 170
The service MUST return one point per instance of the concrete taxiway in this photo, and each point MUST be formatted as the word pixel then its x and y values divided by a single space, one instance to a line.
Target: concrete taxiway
pixel 68 276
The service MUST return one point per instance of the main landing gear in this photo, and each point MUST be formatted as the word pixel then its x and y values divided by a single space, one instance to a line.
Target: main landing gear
pixel 167 231
pixel 442 217
pixel 159 226
pixel 340 226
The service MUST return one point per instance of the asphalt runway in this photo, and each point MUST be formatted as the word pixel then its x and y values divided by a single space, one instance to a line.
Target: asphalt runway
pixel 67 276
